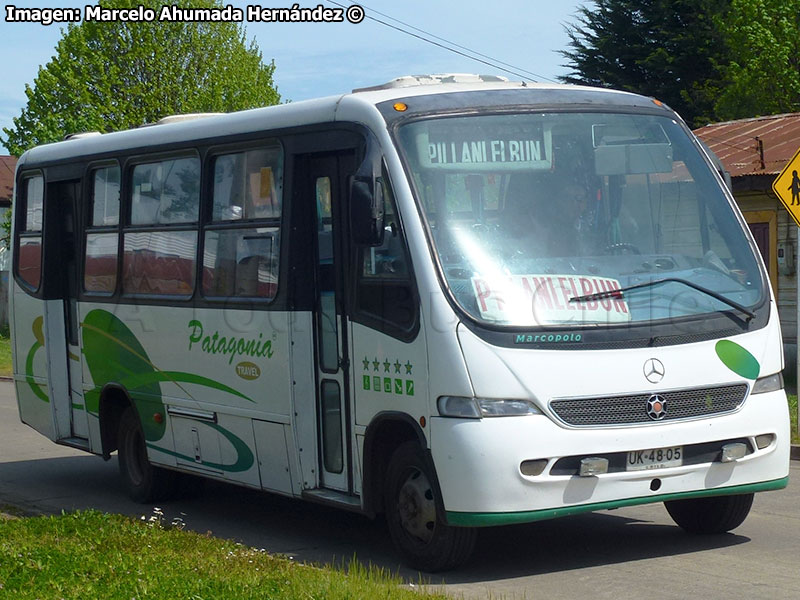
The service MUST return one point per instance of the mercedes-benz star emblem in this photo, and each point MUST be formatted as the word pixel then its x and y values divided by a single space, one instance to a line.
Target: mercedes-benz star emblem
pixel 653 370
pixel 656 407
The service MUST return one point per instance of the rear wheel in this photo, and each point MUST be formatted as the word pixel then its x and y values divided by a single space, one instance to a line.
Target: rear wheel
pixel 717 514
pixel 415 524
pixel 144 482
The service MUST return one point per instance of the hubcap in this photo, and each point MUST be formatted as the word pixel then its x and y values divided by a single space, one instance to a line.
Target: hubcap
pixel 416 507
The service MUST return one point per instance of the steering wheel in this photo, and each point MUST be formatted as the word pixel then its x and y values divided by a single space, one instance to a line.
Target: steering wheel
pixel 621 248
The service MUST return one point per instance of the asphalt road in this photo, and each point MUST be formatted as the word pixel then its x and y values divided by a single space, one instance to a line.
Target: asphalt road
pixel 627 553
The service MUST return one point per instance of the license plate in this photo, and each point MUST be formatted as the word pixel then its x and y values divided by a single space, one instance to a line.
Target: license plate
pixel 658 458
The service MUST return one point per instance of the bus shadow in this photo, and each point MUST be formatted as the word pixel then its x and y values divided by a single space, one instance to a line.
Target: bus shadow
pixel 577 542
pixel 317 534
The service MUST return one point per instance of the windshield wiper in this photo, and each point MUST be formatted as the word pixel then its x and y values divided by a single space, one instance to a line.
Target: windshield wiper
pixel 620 291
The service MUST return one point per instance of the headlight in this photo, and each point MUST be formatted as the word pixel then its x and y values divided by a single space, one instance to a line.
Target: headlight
pixel 457 406
pixel 491 407
pixel 770 383
pixel 475 408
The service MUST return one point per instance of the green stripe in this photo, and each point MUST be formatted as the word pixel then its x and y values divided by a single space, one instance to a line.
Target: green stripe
pixel 481 519
pixel 138 380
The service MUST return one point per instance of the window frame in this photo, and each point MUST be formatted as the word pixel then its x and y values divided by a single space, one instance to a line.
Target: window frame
pixel 20 231
pixel 89 228
pixel 369 319
pixel 207 223
pixel 127 227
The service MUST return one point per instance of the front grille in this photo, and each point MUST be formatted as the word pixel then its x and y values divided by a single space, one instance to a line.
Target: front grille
pixel 630 410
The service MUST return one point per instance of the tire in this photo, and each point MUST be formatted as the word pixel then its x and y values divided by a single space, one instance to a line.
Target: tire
pixel 716 514
pixel 414 517
pixel 145 483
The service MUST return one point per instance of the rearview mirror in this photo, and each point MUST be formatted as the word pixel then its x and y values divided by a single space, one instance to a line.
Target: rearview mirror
pixel 366 198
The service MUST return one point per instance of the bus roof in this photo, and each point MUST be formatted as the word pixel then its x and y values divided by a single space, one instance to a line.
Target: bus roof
pixel 440 92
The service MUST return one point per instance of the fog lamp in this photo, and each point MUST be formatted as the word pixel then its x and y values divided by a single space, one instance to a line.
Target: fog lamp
pixel 594 465
pixel 732 452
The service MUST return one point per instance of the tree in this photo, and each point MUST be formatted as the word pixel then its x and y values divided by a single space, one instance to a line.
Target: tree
pixel 764 71
pixel 107 76
pixel 670 49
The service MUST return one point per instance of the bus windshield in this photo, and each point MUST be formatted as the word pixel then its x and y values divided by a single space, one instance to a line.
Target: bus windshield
pixel 535 217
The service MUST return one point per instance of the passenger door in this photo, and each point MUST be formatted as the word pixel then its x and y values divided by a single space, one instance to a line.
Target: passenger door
pixel 61 318
pixel 326 187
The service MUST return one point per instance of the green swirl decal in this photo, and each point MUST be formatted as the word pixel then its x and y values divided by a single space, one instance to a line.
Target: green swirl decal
pixel 114 354
pixel 39 343
pixel 737 359
pixel 245 458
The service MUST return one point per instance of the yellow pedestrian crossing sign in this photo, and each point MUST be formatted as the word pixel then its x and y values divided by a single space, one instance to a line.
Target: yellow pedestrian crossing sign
pixel 787 187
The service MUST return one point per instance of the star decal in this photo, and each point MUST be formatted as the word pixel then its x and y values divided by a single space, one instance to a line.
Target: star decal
pixel 375 364
pixel 386 365
pixel 408 367
pixel 397 366
pixel 366 363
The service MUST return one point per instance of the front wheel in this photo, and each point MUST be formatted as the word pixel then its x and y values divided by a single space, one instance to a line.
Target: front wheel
pixel 716 514
pixel 413 515
pixel 144 482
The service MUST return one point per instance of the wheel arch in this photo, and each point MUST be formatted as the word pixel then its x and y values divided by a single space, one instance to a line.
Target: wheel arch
pixel 114 399
pixel 385 433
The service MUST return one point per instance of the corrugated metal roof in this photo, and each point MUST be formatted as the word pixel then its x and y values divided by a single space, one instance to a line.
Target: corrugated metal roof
pixel 736 143
pixel 7 166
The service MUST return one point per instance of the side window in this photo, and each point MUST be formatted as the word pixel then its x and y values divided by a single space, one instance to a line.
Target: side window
pixel 160 244
pixel 29 258
pixel 242 242
pixel 247 185
pixel 386 296
pixel 390 259
pixel 102 234
pixel 105 196
pixel 166 192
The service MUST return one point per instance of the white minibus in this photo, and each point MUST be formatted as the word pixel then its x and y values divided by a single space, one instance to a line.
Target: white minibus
pixel 454 300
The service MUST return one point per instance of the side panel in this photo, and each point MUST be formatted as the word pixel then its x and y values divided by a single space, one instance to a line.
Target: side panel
pixel 30 362
pixel 198 378
pixel 58 372
pixel 389 374
pixel 304 449
pixel 272 441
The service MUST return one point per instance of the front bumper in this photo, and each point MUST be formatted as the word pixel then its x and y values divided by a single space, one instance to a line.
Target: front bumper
pixel 478 463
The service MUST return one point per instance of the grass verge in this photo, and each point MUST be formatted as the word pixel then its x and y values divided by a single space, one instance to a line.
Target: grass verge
pixel 5 356
pixel 94 555
pixel 793 418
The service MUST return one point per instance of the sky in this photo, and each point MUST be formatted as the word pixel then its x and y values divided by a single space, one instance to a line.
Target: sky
pixel 321 59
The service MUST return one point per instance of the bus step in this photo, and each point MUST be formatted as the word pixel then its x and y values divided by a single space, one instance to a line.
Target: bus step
pixel 333 498
pixel 75 442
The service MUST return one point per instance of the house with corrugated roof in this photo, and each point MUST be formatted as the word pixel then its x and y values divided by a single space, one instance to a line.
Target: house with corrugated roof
pixel 754 151
pixel 7 166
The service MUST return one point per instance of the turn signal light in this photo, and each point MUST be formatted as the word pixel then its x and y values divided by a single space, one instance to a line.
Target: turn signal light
pixel 764 440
